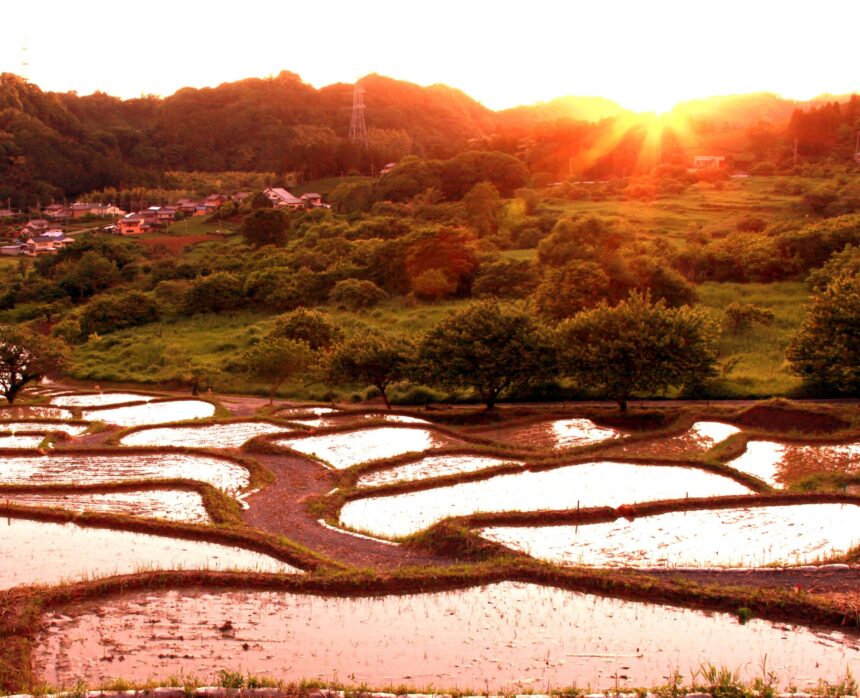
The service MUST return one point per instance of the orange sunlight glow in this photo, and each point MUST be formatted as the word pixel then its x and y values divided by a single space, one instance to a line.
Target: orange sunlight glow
pixel 645 56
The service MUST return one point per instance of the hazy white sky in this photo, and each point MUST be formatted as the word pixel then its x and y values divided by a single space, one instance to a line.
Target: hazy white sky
pixel 645 54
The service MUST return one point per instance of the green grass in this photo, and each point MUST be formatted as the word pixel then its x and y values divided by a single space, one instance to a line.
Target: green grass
pixel 762 370
pixel 156 353
pixel 198 225
pixel 701 208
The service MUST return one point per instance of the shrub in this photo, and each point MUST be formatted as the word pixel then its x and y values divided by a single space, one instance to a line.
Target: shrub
pixel 356 294
pixel 751 224
pixel 740 317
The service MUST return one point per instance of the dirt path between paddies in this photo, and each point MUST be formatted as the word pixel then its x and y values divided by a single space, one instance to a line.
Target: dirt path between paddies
pixel 280 508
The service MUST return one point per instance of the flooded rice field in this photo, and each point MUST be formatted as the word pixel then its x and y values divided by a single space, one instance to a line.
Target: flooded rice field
pixel 558 434
pixel 701 437
pixel 290 412
pixel 781 463
pixel 99 399
pixel 504 636
pixel 343 418
pixel 742 537
pixel 34 412
pixel 14 441
pixel 45 427
pixel 434 466
pixel 92 469
pixel 153 413
pixel 587 485
pixel 173 505
pixel 35 552
pixel 215 436
pixel 350 448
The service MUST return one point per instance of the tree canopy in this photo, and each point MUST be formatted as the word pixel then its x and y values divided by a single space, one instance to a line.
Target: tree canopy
pixel 25 357
pixel 490 347
pixel 826 350
pixel 637 347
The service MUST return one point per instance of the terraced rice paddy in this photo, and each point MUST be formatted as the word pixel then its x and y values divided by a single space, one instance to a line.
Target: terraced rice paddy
pixel 346 449
pixel 93 469
pixel 557 434
pixel 153 413
pixel 701 437
pixel 35 552
pixel 433 466
pixel 570 487
pixel 781 463
pixel 13 441
pixel 508 636
pixel 45 427
pixel 346 417
pixel 172 505
pixel 34 412
pixel 741 537
pixel 99 399
pixel 231 435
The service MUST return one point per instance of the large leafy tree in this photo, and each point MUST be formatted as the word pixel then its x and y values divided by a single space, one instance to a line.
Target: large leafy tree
pixel 636 347
pixel 491 347
pixel 265 226
pixel 275 359
pixel 26 356
pixel 826 350
pixel 372 358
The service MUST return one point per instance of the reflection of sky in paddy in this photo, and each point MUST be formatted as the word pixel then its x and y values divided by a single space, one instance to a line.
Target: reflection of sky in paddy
pixel 215 436
pixel 90 469
pixel 586 485
pixel 434 466
pixel 780 463
pixel 174 505
pixel 35 552
pixel 99 399
pixel 153 413
pixel 741 537
pixel 350 448
pixel 508 636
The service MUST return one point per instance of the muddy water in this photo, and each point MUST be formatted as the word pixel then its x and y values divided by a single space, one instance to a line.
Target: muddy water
pixel 45 427
pixel 350 448
pixel 154 413
pixel 562 433
pixel 34 552
pixel 588 485
pixel 742 537
pixel 89 469
pixel 34 412
pixel 215 436
pixel 434 466
pixel 779 464
pixel 99 399
pixel 701 437
pixel 504 636
pixel 173 505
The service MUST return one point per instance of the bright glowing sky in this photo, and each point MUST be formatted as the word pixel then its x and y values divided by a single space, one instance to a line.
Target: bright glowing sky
pixel 645 54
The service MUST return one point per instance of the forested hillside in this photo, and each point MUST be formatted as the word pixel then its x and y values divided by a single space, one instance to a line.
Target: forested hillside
pixel 63 145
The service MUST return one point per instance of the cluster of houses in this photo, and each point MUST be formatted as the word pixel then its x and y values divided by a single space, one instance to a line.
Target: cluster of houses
pixel 156 216
pixel 45 236
pixel 37 237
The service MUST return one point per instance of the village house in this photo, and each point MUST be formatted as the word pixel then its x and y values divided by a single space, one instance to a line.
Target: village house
pixel 240 196
pixel 214 201
pixel 166 215
pixel 187 206
pixel 708 162
pixel 12 250
pixel 34 227
pixel 132 224
pixel 312 200
pixel 45 244
pixel 54 211
pixel 281 198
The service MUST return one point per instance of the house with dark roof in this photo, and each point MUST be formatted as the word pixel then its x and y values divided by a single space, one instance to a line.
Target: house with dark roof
pixel 281 198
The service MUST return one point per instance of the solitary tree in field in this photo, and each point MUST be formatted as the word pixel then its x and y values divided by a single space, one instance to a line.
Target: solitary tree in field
pixel 826 350
pixel 637 347
pixel 371 358
pixel 490 347
pixel 26 356
pixel 275 359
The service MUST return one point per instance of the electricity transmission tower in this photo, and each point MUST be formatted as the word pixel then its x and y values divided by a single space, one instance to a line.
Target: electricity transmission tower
pixel 357 127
